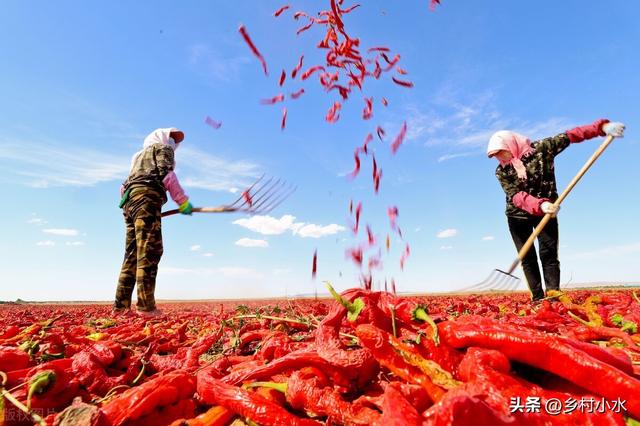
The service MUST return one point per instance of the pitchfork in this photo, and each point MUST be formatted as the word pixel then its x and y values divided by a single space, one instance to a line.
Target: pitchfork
pixel 505 280
pixel 260 198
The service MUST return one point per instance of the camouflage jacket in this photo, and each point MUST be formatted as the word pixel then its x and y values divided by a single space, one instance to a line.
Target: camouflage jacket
pixel 541 179
pixel 149 167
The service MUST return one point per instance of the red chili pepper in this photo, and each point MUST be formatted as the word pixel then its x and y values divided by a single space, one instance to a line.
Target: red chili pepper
pixel 279 11
pixel 550 354
pixel 254 49
pixel 305 28
pixel 384 102
pixel 310 71
pixel 402 82
pixel 356 169
pixel 283 122
pixel 333 113
pixel 378 49
pixel 388 243
pixel 401 71
pixel 297 15
pixel 367 139
pixel 358 212
pixel 296 95
pixel 397 411
pixel 367 113
pixel 371 239
pixel 249 405
pixel 283 76
pixel 211 122
pixel 12 358
pixel 393 286
pixel 355 254
pixel 294 72
pixel 271 101
pixel 376 181
pixel 314 265
pixel 247 198
pixel 405 254
pixel 396 143
pixel 380 132
pixel 374 167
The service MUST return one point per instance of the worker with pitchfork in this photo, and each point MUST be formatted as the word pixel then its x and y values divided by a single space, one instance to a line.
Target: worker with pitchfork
pixel 526 173
pixel 143 194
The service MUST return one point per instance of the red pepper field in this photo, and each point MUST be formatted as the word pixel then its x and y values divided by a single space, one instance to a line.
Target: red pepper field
pixel 364 358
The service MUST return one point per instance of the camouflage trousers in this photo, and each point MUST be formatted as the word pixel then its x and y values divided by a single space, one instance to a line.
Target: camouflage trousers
pixel 143 249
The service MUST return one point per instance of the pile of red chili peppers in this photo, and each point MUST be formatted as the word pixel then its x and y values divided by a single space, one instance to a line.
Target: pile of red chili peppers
pixel 364 358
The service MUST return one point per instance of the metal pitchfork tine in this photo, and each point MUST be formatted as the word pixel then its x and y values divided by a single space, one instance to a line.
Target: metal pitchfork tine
pixel 259 198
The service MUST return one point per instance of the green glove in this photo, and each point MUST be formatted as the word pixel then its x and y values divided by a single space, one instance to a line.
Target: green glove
pixel 186 207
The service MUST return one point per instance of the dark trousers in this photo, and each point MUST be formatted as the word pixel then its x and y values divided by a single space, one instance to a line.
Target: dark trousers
pixel 521 230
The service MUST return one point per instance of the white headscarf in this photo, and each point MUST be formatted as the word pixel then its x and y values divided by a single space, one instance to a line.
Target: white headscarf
pixel 162 136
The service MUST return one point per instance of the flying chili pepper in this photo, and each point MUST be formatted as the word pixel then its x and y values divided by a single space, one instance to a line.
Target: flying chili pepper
pixel 376 181
pixel 294 72
pixel 371 239
pixel 358 212
pixel 393 286
pixel 402 82
pixel 384 102
pixel 333 113
pixel 297 15
pixel 247 198
pixel 305 28
pixel 378 49
pixel 405 254
pixel 396 143
pixel 350 206
pixel 274 100
pixel 254 49
pixel 310 71
pixel 356 169
pixel 283 76
pixel 367 113
pixel 380 132
pixel 367 139
pixel 282 9
pixel 388 242
pixel 283 122
pixel 314 265
pixel 211 122
pixel 392 212
pixel 297 94
pixel 401 71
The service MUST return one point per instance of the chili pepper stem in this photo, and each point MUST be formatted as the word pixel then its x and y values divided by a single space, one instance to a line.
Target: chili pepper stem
pixel 353 308
pixel 635 296
pixel 580 320
pixel 393 320
pixel 39 383
pixel 282 387
pixel 36 418
pixel 140 374
pixel 420 314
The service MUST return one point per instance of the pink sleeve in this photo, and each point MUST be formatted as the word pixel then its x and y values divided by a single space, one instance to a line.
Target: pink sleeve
pixel 578 134
pixel 172 185
pixel 121 190
pixel 529 203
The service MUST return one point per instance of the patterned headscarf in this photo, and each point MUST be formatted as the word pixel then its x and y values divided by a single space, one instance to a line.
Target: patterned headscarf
pixel 517 144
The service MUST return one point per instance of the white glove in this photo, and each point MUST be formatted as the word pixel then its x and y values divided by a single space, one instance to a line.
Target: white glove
pixel 615 129
pixel 549 208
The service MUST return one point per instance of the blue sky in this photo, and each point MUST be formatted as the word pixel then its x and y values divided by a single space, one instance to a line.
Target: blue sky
pixel 83 83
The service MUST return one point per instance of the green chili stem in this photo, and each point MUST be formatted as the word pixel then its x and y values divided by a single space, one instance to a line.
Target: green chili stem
pixel 36 418
pixel 580 320
pixel 282 387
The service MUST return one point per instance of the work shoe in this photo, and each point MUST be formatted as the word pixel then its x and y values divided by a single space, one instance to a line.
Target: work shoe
pixel 154 313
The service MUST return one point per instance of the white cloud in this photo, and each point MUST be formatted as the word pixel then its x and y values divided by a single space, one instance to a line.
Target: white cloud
pixel 248 242
pixel 35 220
pixel 447 233
pixel 458 155
pixel 43 164
pixel 239 272
pixel 316 231
pixel 608 252
pixel 195 247
pixel 488 238
pixel 47 243
pixel 446 247
pixel 74 243
pixel 267 225
pixel 61 232
pixel 208 254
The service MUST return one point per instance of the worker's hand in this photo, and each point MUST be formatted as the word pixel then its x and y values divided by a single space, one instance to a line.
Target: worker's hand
pixel 186 207
pixel 549 208
pixel 615 129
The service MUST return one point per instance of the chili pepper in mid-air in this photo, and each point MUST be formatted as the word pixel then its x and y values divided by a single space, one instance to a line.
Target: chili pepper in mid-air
pixel 249 405
pixel 297 94
pixel 283 121
pixel 294 72
pixel 333 113
pixel 405 254
pixel 310 71
pixel 271 101
pixel 367 139
pixel 305 28
pixel 356 168
pixel 314 264
pixel 385 102
pixel 357 214
pixel 283 76
pixel 247 197
pixel 380 132
pixel 367 113
pixel 376 181
pixel 355 254
pixel 388 243
pixel 211 122
pixel 282 9
pixel 378 49
pixel 399 138
pixel 254 49
pixel 402 82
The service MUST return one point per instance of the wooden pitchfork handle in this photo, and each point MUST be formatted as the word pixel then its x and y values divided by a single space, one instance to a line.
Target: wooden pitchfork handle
pixel 221 209
pixel 527 245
